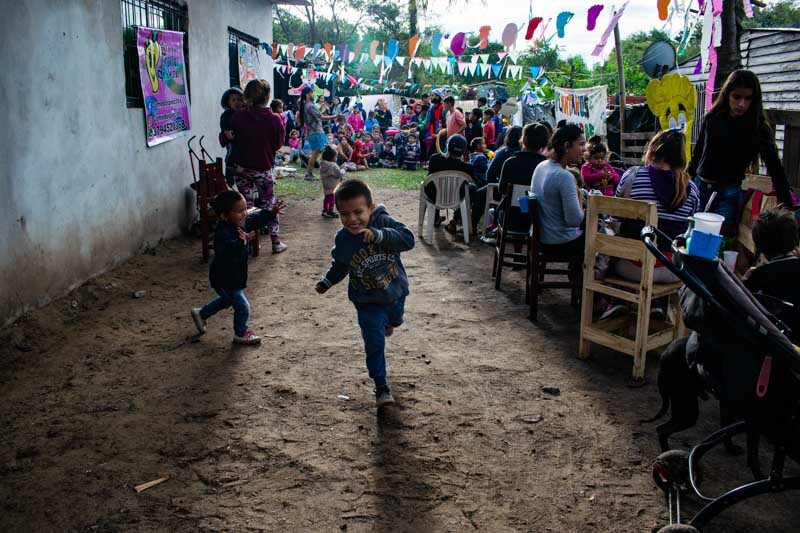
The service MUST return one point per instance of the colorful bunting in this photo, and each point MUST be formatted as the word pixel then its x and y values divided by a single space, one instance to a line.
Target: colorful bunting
pixel 413 44
pixel 748 8
pixel 373 47
pixel 561 21
pixel 663 9
pixel 532 25
pixel 435 40
pixel 459 44
pixel 606 34
pixel 593 13
pixel 483 34
pixel 510 35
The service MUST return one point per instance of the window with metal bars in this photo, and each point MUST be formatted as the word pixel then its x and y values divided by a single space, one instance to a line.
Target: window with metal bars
pixel 159 14
pixel 234 38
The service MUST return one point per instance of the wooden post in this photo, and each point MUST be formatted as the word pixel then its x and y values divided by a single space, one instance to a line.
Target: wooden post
pixel 621 76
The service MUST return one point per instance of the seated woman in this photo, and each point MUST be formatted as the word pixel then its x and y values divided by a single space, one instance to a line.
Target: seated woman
pixel 663 180
pixel 560 211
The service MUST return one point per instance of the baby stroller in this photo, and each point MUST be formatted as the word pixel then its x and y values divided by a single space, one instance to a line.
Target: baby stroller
pixel 756 369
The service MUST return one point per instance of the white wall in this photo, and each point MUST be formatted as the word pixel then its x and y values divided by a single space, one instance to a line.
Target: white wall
pixel 79 189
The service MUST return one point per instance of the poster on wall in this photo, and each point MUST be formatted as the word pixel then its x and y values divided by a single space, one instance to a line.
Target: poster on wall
pixel 248 63
pixel 162 73
pixel 584 107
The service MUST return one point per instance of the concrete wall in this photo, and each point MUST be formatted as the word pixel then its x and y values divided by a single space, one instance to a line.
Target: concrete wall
pixel 79 189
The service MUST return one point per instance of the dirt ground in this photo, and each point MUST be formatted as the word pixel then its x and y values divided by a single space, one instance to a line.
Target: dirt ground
pixel 101 391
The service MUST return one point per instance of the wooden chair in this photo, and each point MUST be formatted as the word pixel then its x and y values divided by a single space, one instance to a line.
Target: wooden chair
pixel 448 185
pixel 538 267
pixel 490 202
pixel 211 182
pixel 506 236
pixel 615 333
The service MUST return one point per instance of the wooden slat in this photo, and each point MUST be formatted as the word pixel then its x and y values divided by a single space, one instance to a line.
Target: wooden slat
pixel 608 290
pixel 635 149
pixel 776 37
pixel 632 160
pixel 664 289
pixel 646 136
pixel 609 340
pixel 780 49
pixel 656 340
pixel 625 208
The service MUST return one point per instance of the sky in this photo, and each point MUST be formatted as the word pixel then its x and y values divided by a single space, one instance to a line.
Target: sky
pixel 468 16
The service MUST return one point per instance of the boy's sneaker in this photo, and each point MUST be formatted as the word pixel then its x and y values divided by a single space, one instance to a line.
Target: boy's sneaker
pixel 612 311
pixel 383 396
pixel 278 247
pixel 387 331
pixel 333 214
pixel 248 338
pixel 199 321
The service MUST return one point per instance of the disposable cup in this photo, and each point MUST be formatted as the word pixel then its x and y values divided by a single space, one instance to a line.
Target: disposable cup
pixel 708 222
pixel 729 258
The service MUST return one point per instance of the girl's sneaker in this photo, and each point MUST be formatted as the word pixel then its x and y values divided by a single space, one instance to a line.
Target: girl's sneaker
pixel 248 338
pixel 278 247
pixel 199 321
pixel 333 214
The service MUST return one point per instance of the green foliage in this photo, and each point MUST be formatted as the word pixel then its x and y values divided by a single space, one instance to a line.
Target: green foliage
pixel 781 14
pixel 633 49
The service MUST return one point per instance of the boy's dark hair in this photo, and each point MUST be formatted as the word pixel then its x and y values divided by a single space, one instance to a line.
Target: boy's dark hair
pixel 329 154
pixel 482 101
pixel 594 139
pixel 476 112
pixel 275 105
pixel 488 111
pixel 597 148
pixel 350 190
pixel 224 201
pixel 775 232
pixel 475 143
pixel 450 100
pixel 535 136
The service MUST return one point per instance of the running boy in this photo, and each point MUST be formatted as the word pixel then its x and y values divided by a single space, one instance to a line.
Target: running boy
pixel 368 249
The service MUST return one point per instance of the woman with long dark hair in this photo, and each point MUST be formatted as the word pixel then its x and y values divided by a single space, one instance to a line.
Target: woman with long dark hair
pixel 310 116
pixel 733 135
pixel 560 211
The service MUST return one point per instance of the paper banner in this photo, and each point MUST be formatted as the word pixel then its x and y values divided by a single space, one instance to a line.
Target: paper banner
pixel 663 9
pixel 300 52
pixel 748 8
pixel 585 107
pixel 712 75
pixel 705 38
pixel 427 63
pixel 698 68
pixel 484 58
pixel 496 69
pixel 275 50
pixel 459 44
pixel 462 66
pixel 544 28
pixel 532 25
pixel 513 56
pixel 373 47
pixel 716 40
pixel 413 44
pixel 593 13
pixel 290 51
pixel 351 57
pixel 357 49
pixel 501 55
pixel 483 35
pixel 606 34
pixel 435 41
pixel 536 72
pixel 343 52
pixel 510 35
pixel 315 51
pixel 561 21
pixel 401 60
pixel 417 61
pixel 393 49
pixel 328 47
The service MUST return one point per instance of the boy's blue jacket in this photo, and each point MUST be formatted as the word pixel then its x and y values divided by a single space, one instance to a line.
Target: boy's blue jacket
pixel 376 272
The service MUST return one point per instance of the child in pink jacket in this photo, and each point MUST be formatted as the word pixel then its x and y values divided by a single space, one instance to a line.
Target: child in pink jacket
pixel 597 173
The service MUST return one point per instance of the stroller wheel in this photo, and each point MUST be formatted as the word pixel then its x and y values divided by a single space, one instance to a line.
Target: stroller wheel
pixel 678 528
pixel 671 469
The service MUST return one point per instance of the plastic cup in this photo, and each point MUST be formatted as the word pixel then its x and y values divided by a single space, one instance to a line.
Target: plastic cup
pixel 710 223
pixel 729 258
pixel 523 203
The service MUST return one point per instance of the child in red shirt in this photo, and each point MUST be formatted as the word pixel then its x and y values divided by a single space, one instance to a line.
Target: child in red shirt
pixel 359 155
pixel 488 128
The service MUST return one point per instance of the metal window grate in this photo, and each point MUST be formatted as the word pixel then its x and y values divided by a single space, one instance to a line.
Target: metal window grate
pixel 234 38
pixel 160 14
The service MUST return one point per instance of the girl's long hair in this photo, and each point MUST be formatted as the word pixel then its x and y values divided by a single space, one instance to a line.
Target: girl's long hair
pixel 301 119
pixel 744 79
pixel 669 146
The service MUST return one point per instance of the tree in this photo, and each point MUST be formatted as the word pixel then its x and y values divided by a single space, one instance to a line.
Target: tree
pixel 781 14
pixel 633 48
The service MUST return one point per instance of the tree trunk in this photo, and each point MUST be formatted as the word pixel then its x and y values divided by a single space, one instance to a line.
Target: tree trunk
pixel 729 54
pixel 412 17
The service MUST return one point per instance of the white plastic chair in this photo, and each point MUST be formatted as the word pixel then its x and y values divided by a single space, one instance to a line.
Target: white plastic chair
pixel 490 202
pixel 448 184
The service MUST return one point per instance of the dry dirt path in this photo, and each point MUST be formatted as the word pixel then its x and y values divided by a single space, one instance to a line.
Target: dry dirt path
pixel 100 392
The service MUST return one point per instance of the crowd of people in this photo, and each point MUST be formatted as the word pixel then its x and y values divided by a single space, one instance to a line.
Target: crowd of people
pixel 560 166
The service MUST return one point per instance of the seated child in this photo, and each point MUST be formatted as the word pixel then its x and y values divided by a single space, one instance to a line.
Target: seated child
pixel 368 248
pixel 371 123
pixel 400 143
pixel 294 144
pixel 387 157
pixel 338 124
pixel 345 150
pixel 413 153
pixel 359 155
pixel 228 269
pixel 330 175
pixel 480 163
pixel 377 149
pixel 775 236
pixel 232 101
pixel 597 173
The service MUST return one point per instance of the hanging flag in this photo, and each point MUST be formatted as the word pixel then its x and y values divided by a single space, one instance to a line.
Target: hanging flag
pixel 606 34
pixel 496 69
pixel 535 72
pixel 458 44
pixel 315 51
pixel 593 13
pixel 275 50
pixel 357 49
pixel 561 21
pixel 427 63
pixel 544 28
pixel 435 40
pixel 300 52
pixel 748 8
pixel 484 58
pixel 708 30
pixel 393 49
pixel 712 75
pixel 510 35
pixel 417 61
pixel 373 47
pixel 483 35
pixel 328 50
pixel 532 25
pixel 401 60
pixel 663 9
pixel 343 52
pixel 413 44
pixel 501 55
pixel 514 56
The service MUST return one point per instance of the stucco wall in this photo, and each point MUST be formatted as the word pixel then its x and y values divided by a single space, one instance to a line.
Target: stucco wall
pixel 79 189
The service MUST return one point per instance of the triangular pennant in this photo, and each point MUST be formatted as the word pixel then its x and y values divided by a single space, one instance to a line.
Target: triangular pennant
pixel 484 57
pixel 488 72
pixel 501 55
pixel 401 60
pixel 377 60
pixel 462 66
pixel 514 56
pixel 427 62
pixel 496 68
pixel 535 72
pixel 417 61
pixel 435 41
pixel 328 47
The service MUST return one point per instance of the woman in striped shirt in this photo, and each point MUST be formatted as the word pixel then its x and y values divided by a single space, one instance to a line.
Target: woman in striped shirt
pixel 662 180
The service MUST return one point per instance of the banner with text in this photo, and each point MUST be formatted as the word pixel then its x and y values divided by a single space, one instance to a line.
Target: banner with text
pixel 162 72
pixel 585 107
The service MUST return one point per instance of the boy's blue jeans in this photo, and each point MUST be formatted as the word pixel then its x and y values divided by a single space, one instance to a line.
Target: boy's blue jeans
pixel 225 299
pixel 372 319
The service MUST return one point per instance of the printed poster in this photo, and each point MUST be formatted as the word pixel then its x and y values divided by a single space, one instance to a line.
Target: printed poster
pixel 162 72
pixel 248 63
pixel 584 107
